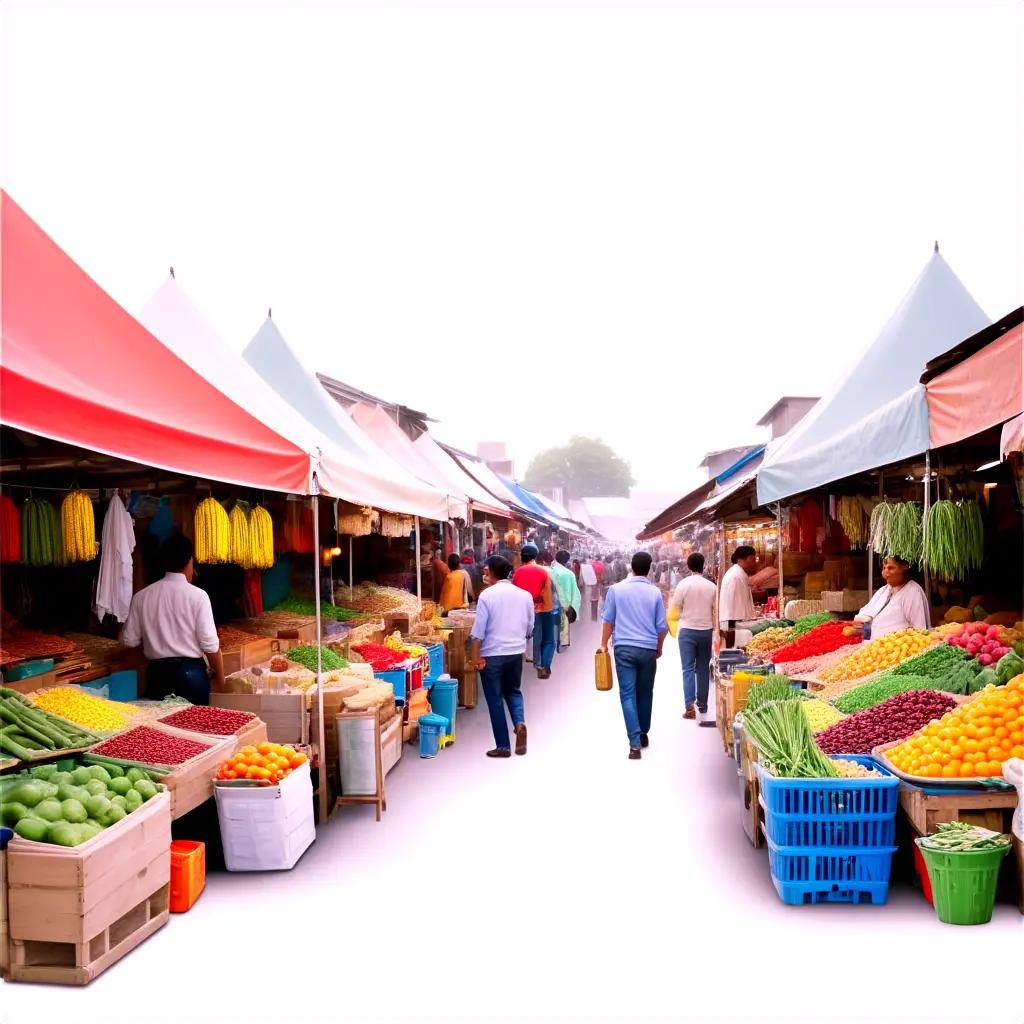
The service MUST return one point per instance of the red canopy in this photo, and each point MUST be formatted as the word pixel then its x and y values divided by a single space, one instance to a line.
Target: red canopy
pixel 76 367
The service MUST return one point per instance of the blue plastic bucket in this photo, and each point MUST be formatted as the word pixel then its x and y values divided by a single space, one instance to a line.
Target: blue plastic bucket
pixel 432 729
pixel 444 699
pixel 435 653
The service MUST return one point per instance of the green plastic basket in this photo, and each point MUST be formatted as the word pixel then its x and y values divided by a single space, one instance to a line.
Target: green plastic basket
pixel 963 882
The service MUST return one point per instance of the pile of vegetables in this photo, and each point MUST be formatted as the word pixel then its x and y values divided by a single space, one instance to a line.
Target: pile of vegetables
pixel 396 643
pixel 971 741
pixel 773 688
pixel 784 741
pixel 824 638
pixel 379 658
pixel 212 721
pixel 895 719
pixel 935 662
pixel 762 624
pixel 879 690
pixel 28 732
pixel 954 543
pixel 877 655
pixel 851 770
pixel 150 746
pixel 897 530
pixel 42 542
pixel 302 606
pixel 305 655
pixel 78 528
pixel 1008 666
pixel 66 808
pixel 94 713
pixel 808 622
pixel 979 641
pixel 820 714
pixel 961 837
pixel 769 640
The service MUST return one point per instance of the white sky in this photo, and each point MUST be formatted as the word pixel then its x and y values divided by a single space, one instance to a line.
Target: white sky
pixel 644 223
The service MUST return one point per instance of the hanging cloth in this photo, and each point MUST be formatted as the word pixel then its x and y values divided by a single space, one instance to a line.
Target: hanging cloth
pixel 114 583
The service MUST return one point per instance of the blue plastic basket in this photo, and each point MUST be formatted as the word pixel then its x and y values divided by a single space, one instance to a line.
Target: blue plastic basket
pixel 432 729
pixel 832 799
pixel 830 874
pixel 396 677
pixel 435 654
pixel 122 686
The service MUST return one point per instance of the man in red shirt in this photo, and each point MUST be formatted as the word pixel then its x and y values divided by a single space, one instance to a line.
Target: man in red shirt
pixel 536 581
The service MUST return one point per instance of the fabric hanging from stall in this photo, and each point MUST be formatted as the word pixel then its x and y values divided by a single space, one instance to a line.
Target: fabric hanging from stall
pixel 298 528
pixel 114 583
pixel 811 520
pixel 252 593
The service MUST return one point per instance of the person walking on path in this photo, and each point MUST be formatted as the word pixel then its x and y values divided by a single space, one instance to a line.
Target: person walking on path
pixel 588 578
pixel 504 623
pixel 536 581
pixel 736 603
pixel 634 617
pixel 457 588
pixel 475 570
pixel 172 620
pixel 691 612
pixel 568 593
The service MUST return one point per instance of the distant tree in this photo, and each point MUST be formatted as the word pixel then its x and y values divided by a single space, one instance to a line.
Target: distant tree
pixel 585 468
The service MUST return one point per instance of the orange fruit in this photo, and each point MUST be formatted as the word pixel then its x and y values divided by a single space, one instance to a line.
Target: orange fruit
pixel 263 748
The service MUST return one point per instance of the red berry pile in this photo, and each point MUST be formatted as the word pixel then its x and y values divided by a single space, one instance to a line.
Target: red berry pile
pixel 151 746
pixel 215 721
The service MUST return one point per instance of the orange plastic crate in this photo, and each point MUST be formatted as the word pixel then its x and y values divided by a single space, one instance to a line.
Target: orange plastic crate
pixel 188 874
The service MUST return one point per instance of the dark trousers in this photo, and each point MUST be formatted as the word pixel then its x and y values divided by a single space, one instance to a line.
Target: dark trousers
pixel 545 638
pixel 501 679
pixel 636 668
pixel 695 651
pixel 182 677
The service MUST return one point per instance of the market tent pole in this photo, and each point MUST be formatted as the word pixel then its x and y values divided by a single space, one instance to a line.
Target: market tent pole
pixel 778 527
pixel 419 574
pixel 924 527
pixel 334 547
pixel 350 583
pixel 322 752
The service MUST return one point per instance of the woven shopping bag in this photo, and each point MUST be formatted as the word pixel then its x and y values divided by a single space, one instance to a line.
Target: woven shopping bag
pixel 603 670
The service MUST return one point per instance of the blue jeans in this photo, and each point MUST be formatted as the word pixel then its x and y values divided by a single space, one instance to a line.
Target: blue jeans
pixel 695 651
pixel 501 679
pixel 545 634
pixel 635 667
pixel 184 677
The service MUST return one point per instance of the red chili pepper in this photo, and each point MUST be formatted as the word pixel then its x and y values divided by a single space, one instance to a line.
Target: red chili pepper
pixel 823 639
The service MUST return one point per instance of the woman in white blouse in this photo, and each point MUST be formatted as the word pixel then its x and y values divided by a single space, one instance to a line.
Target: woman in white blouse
pixel 900 604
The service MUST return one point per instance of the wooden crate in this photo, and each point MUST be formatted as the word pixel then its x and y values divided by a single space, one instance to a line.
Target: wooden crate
pixel 283 713
pixel 44 681
pixel 192 783
pixel 468 692
pixel 722 717
pixel 751 814
pixel 988 808
pixel 64 963
pixel 253 653
pixel 71 896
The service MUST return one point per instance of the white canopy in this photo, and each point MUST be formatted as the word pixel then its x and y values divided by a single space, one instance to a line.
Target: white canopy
pixel 353 467
pixel 382 429
pixel 877 415
pixel 482 500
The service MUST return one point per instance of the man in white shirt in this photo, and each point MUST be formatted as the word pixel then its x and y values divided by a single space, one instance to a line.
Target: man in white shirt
pixel 172 620
pixel 691 612
pixel 736 603
pixel 504 622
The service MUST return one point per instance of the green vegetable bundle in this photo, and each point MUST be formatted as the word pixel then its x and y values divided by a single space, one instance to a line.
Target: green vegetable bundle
pixel 302 606
pixel 42 542
pixel 936 662
pixel 867 695
pixel 959 836
pixel 762 624
pixel 29 733
pixel 955 541
pixel 775 687
pixel 808 622
pixel 305 655
pixel 785 743
pixel 897 531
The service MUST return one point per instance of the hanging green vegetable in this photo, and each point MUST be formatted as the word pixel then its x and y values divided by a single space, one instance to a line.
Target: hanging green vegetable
pixel 896 530
pixel 42 541
pixel 955 543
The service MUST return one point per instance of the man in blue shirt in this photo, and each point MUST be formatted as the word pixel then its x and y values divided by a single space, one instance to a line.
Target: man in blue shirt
pixel 504 622
pixel 635 614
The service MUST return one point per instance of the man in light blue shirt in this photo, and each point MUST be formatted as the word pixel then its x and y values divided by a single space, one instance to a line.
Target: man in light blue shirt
pixel 635 614
pixel 504 623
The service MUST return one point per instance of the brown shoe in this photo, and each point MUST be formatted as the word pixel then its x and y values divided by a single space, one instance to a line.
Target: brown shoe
pixel 499 752
pixel 690 712
pixel 634 753
pixel 543 673
pixel 521 738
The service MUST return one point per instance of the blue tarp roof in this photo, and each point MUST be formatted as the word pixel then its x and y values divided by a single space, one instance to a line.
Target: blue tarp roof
pixel 739 464
pixel 529 502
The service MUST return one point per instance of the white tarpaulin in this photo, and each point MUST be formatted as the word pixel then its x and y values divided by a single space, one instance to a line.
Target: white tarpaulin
pixel 459 479
pixel 354 467
pixel 877 414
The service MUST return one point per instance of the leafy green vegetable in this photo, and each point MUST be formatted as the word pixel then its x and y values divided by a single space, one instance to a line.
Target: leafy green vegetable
pixel 784 741
pixel 936 662
pixel 775 687
pixel 1008 666
pixel 305 655
pixel 302 606
pixel 867 695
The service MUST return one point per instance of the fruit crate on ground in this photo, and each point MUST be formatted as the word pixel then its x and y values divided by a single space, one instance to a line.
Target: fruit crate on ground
pixel 830 874
pixel 74 911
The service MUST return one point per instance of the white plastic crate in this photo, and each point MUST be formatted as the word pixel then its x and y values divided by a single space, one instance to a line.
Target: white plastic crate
pixel 266 828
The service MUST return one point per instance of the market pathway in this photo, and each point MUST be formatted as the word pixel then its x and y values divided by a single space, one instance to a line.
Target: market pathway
pixel 570 883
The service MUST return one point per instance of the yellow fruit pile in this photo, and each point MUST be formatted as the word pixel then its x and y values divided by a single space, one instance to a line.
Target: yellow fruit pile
pixel 971 741
pixel 261 539
pixel 85 709
pixel 213 532
pixel 770 639
pixel 78 527
pixel 820 714
pixel 878 655
pixel 846 769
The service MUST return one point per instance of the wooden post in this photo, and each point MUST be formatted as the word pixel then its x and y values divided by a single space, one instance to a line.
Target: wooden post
pixel 350 570
pixel 322 738
pixel 419 574
pixel 778 526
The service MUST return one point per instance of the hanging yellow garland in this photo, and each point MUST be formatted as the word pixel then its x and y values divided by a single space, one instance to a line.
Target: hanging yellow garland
pixel 239 550
pixel 212 532
pixel 261 539
pixel 78 528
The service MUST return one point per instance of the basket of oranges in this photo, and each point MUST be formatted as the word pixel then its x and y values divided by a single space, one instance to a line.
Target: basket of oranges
pixel 264 764
pixel 967 744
